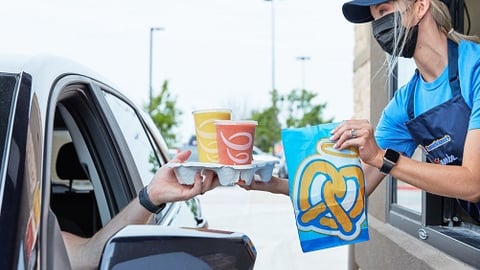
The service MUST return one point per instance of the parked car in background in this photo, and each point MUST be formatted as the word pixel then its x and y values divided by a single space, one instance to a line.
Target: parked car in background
pixel 191 145
pixel 282 168
pixel 259 155
pixel 74 151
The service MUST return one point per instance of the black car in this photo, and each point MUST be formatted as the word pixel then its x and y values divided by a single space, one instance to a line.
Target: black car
pixel 74 152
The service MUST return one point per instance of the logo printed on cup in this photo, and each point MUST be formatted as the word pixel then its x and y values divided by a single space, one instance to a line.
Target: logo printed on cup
pixel 235 141
pixel 206 140
pixel 205 132
pixel 238 153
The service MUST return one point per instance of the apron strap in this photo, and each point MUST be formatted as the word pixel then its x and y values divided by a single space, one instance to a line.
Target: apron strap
pixel 453 67
pixel 452 77
pixel 411 113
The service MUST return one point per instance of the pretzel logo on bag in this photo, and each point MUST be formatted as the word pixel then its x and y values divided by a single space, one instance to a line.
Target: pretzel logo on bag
pixel 329 191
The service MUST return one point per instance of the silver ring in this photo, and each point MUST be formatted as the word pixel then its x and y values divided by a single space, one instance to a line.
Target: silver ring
pixel 353 133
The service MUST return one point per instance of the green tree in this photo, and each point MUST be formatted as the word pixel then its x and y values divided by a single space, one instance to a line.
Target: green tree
pixel 269 127
pixel 302 111
pixel 165 114
pixel 299 109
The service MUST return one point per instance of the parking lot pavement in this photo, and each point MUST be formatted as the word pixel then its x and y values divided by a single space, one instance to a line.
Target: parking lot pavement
pixel 269 221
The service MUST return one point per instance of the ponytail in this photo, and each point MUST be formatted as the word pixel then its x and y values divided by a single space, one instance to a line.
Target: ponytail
pixel 441 15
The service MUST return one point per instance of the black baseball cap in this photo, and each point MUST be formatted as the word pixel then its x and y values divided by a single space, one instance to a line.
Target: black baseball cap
pixel 358 11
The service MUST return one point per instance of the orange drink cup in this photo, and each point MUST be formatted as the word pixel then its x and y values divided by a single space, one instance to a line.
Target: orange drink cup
pixel 235 141
pixel 205 131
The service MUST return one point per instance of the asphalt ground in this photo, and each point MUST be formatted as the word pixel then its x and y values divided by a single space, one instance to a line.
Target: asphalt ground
pixel 269 221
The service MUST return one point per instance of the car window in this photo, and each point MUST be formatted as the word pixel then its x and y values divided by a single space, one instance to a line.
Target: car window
pixel 77 181
pixel 137 138
pixel 91 165
pixel 193 141
pixel 7 86
pixel 258 151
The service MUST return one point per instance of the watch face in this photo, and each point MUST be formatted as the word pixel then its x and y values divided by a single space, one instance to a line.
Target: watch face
pixel 392 155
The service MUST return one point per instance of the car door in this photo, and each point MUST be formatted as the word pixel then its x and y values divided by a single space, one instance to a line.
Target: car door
pixel 104 181
pixel 67 164
pixel 118 153
pixel 21 136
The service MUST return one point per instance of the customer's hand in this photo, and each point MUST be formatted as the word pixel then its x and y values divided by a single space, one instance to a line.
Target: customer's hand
pixel 164 187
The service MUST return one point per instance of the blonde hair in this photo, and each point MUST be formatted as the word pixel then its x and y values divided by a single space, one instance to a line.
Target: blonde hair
pixel 443 20
pixel 441 16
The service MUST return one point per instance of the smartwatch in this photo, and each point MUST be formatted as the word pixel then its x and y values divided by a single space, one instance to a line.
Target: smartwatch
pixel 147 203
pixel 390 159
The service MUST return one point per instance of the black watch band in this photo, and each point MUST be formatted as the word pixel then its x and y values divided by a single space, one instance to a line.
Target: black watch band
pixel 147 203
pixel 390 159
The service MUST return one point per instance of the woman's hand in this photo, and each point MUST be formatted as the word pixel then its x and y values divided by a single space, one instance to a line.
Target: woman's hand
pixel 275 185
pixel 165 187
pixel 360 134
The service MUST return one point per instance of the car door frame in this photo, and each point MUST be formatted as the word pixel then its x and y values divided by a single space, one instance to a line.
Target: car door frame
pixel 95 109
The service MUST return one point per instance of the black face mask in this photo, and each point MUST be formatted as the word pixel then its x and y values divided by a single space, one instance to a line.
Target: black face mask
pixel 390 35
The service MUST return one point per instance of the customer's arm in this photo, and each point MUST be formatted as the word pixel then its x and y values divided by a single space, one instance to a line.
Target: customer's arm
pixel 84 253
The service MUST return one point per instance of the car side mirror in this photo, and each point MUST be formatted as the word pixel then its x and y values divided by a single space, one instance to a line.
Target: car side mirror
pixel 161 247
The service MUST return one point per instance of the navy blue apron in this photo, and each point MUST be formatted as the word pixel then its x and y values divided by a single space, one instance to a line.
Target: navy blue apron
pixel 441 131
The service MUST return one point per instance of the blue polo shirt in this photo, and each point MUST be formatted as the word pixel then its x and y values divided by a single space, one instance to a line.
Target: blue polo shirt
pixel 392 132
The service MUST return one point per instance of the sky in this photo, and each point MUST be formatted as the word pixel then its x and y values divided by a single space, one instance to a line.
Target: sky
pixel 214 53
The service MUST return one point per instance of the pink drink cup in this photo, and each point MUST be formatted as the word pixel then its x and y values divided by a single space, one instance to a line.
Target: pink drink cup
pixel 235 141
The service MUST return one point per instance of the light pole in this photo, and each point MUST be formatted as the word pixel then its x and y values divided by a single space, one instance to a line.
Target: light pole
pixel 150 87
pixel 303 59
pixel 273 43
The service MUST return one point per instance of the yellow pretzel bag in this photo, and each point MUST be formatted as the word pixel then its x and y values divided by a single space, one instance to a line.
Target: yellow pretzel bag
pixel 327 189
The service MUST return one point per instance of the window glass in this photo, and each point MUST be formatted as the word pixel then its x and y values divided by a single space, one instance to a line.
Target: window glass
pixel 437 220
pixel 7 86
pixel 410 196
pixel 136 137
pixel 60 139
pixel 407 195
